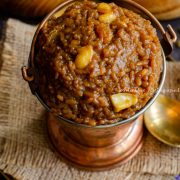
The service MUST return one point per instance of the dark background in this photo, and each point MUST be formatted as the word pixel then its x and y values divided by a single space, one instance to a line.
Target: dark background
pixel 176 26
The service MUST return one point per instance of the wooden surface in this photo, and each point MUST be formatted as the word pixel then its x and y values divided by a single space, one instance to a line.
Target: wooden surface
pixel 162 9
pixel 25 151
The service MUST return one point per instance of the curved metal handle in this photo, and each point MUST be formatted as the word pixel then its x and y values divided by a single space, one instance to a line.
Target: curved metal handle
pixel 172 34
pixel 169 37
pixel 29 76
pixel 25 74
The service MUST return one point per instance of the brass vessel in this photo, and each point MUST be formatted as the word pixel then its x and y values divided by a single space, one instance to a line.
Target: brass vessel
pixel 96 147
pixel 104 146
pixel 162 119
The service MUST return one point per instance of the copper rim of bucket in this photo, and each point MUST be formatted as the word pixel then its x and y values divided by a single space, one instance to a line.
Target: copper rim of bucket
pixel 168 38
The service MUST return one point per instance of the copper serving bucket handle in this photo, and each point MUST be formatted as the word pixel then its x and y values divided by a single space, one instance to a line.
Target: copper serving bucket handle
pixel 102 146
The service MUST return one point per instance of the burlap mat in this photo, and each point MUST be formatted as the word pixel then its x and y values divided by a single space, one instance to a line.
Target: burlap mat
pixel 24 147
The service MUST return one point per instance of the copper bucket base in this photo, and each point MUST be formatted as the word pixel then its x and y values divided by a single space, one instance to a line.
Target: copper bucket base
pixel 96 158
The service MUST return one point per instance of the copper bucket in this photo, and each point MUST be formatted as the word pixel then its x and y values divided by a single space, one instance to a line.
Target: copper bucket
pixel 104 146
